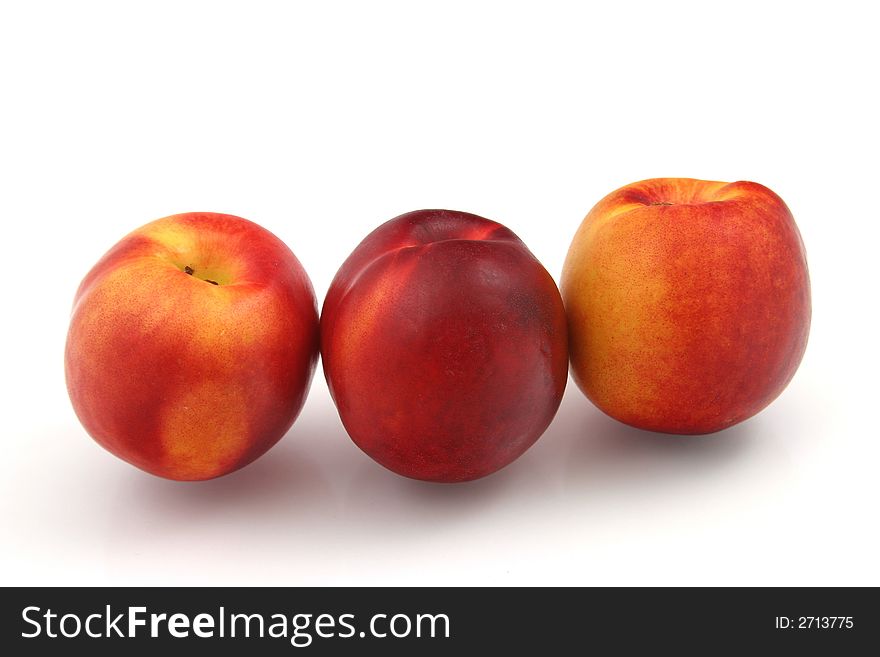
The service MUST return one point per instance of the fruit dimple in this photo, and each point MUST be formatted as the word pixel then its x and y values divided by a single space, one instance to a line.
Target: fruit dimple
pixel 189 270
pixel 431 226
pixel 682 191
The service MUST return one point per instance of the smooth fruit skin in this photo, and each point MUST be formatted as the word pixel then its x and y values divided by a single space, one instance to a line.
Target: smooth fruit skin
pixel 444 345
pixel 688 303
pixel 181 377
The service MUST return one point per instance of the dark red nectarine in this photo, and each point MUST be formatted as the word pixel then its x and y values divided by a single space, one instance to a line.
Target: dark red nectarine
pixel 444 346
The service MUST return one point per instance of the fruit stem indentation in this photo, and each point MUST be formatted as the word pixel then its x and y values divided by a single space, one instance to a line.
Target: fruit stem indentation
pixel 189 270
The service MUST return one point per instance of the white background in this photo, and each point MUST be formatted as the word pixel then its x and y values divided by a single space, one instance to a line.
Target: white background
pixel 320 121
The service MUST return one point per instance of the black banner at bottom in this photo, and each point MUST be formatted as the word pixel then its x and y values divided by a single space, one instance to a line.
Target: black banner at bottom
pixel 432 620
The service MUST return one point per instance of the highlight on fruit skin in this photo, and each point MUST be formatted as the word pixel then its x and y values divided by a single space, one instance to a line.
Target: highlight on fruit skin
pixel 688 303
pixel 443 342
pixel 192 345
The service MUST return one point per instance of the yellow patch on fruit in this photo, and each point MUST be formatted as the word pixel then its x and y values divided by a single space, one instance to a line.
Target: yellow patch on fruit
pixel 204 433
pixel 610 304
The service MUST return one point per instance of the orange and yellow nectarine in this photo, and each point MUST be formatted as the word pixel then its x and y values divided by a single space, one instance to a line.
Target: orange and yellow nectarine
pixel 688 303
pixel 192 345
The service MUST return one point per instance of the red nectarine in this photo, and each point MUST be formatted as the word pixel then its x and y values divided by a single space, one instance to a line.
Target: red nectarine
pixel 444 346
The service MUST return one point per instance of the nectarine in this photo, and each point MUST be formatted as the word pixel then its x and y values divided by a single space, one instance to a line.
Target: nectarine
pixel 444 345
pixel 688 303
pixel 192 345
